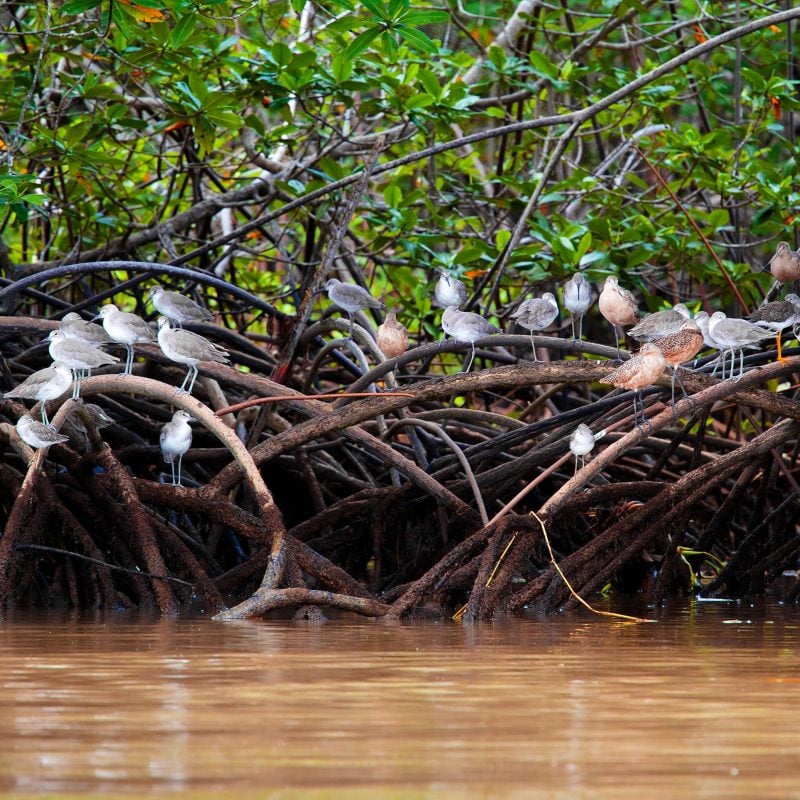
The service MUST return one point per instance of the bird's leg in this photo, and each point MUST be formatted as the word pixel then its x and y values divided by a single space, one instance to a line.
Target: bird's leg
pixel 180 458
pixel 572 321
pixel 172 467
pixel 575 471
pixel 186 379
pixel 533 347
pixel 471 358
pixel 45 421
pixel 780 354
pixel 194 378
pixel 76 389
pixel 616 339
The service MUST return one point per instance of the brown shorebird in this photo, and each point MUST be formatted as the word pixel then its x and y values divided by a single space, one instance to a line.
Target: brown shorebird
pixel 639 371
pixel 735 334
pixel 618 306
pixel 37 435
pixel 350 298
pixel 78 356
pixel 46 384
pixel 176 307
pixel 577 300
pixel 466 326
pixel 392 336
pixel 679 347
pixel 777 316
pixel 175 440
pixel 661 323
pixel 126 328
pixel 785 264
pixel 450 291
pixel 185 347
pixel 536 314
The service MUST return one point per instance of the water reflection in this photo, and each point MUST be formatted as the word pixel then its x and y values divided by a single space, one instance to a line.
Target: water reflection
pixel 700 704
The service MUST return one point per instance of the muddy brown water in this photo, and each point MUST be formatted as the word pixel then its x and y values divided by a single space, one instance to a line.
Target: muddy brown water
pixel 702 704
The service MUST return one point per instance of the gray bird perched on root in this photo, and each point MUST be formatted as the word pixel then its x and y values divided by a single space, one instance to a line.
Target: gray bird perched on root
pixel 466 326
pixel 577 300
pixel 175 440
pixel 536 314
pixel 176 307
pixel 78 356
pixel 36 434
pixel 127 329
pixel 45 384
pixel 350 298
pixel 186 347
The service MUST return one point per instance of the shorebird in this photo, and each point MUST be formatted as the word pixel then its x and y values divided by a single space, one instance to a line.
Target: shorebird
pixel 618 306
pixel 185 347
pixel 577 300
pixel 46 384
pixel 36 434
pixel 75 428
pixel 392 336
pixel 581 443
pixel 660 323
pixel 176 307
pixel 466 326
pixel 785 264
pixel 536 314
pixel 78 356
pixel 777 316
pixel 350 298
pixel 679 347
pixel 73 326
pixel 126 328
pixel 639 371
pixel 450 291
pixel 176 439
pixel 735 334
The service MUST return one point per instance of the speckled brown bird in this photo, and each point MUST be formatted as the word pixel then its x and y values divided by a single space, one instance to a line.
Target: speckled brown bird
pixel 618 306
pixel 638 372
pixel 785 264
pixel 392 336
pixel 777 316
pixel 679 347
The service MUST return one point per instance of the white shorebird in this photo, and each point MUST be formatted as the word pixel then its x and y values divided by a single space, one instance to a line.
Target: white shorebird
pixel 577 300
pixel 735 334
pixel 350 298
pixel 536 314
pixel 581 443
pixel 660 323
pixel 176 307
pixel 73 326
pixel 36 434
pixel 618 306
pixel 450 291
pixel 46 384
pixel 185 347
pixel 639 371
pixel 126 328
pixel 176 439
pixel 78 356
pixel 466 326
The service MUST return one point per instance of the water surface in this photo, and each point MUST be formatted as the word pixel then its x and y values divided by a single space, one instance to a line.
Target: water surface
pixel 702 704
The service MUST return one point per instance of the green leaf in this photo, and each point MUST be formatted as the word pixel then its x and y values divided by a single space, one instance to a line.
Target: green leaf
pixel 182 31
pixel 501 239
pixel 389 45
pixel 583 246
pixel 341 69
pixel 79 6
pixel 431 83
pixel 425 17
pixel 418 39
pixel 361 42
pixel 393 195
pixel 378 10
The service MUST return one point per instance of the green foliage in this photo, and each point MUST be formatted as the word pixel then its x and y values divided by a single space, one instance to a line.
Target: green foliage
pixel 114 125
